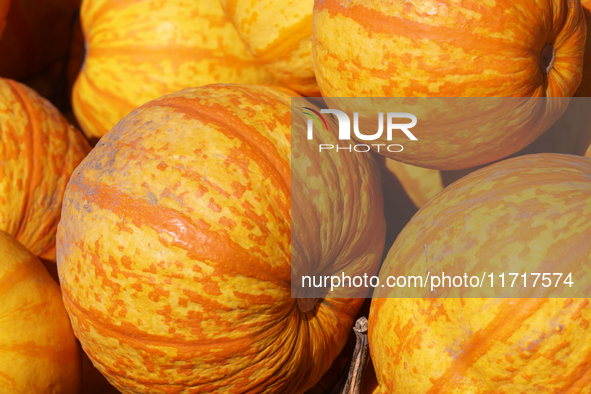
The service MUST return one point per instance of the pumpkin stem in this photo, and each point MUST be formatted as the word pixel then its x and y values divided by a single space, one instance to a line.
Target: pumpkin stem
pixel 358 363
pixel 547 58
pixel 306 305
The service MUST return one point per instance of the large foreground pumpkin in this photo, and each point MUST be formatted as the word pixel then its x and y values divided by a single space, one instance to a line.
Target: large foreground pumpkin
pixel 39 150
pixel 453 49
pixel 532 211
pixel 279 34
pixel 139 50
pixel 175 242
pixel 39 351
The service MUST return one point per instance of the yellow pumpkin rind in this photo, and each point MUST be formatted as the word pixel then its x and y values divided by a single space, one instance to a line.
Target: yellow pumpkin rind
pixel 278 34
pixel 177 45
pixel 39 351
pixel 532 209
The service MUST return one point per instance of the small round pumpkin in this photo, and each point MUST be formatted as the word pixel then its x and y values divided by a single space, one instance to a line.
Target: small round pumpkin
pixel 530 211
pixel 279 34
pixel 39 351
pixel 176 245
pixel 140 50
pixel 39 150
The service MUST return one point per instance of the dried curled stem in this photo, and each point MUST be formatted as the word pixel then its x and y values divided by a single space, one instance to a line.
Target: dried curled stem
pixel 351 383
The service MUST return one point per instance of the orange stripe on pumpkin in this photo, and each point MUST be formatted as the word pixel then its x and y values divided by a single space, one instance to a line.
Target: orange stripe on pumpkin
pixel 288 41
pixel 200 242
pixel 232 126
pixel 176 55
pixel 374 21
pixel 512 314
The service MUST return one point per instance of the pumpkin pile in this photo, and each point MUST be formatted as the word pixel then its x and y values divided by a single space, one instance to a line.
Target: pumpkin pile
pixel 165 188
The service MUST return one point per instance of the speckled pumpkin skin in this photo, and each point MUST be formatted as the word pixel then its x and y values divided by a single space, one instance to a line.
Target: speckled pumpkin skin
pixel 39 351
pixel 142 49
pixel 534 208
pixel 279 34
pixel 384 48
pixel 39 150
pixel 175 241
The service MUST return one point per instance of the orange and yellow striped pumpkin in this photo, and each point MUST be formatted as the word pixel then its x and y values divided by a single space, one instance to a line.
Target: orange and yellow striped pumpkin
pixel 140 50
pixel 279 34
pixel 504 48
pixel 39 150
pixel 175 246
pixel 39 351
pixel 530 211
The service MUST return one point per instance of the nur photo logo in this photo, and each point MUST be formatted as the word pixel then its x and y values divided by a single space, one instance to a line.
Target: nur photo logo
pixel 344 124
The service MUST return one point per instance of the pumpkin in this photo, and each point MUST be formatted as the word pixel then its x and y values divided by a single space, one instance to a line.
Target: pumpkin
pixel 140 50
pixel 525 214
pixel 36 36
pixel 175 242
pixel 4 5
pixel 39 150
pixel 443 49
pixel 279 34
pixel 39 350
pixel 448 49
